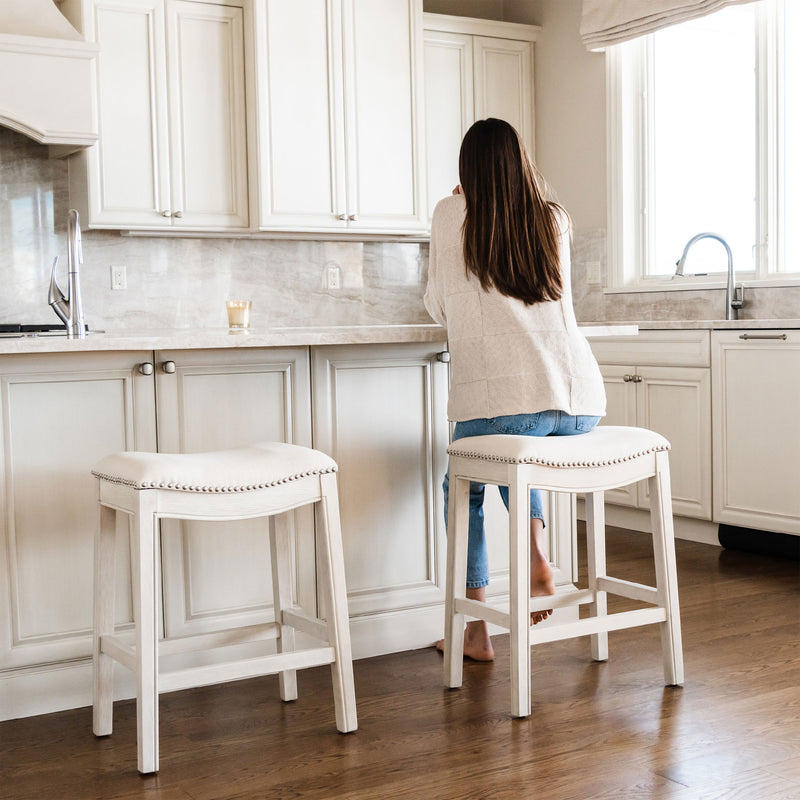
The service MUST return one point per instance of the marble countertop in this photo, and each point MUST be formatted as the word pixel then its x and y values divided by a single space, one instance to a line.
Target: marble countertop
pixel 708 324
pixel 213 338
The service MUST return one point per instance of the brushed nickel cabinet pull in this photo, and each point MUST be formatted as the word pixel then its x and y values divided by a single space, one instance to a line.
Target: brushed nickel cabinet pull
pixel 444 356
pixel 747 336
pixel 168 367
pixel 146 368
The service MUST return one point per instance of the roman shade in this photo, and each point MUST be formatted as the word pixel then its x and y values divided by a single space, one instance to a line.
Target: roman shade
pixel 604 23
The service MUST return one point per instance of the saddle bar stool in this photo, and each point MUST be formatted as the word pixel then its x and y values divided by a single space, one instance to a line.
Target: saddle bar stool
pixel 263 480
pixel 604 458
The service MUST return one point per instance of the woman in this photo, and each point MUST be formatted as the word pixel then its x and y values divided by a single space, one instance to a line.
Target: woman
pixel 499 281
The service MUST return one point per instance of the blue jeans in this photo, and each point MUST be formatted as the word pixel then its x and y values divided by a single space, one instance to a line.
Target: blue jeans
pixel 543 423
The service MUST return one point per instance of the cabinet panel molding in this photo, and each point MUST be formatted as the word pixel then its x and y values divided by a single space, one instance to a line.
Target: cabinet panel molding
pixel 217 575
pixel 60 415
pixel 757 430
pixel 382 418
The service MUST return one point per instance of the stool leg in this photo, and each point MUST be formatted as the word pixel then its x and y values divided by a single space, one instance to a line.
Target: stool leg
pixel 596 557
pixel 666 570
pixel 520 575
pixel 280 546
pixel 455 579
pixel 332 561
pixel 145 533
pixel 104 597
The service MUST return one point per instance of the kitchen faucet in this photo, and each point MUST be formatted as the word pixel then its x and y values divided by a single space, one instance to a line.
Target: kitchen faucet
pixel 69 309
pixel 734 295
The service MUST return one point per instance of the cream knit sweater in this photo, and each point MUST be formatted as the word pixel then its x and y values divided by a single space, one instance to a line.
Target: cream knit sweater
pixel 506 357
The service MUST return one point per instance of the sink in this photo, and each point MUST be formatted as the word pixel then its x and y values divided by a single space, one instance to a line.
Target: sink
pixel 16 330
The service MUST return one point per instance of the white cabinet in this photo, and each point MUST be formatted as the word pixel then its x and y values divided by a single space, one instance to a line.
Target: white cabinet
pixel 60 414
pixel 340 129
pixel 217 575
pixel 380 411
pixel 757 429
pixel 172 151
pixel 474 69
pixel 661 380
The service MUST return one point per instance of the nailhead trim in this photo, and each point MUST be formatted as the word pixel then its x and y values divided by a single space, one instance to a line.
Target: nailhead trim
pixel 182 487
pixel 551 463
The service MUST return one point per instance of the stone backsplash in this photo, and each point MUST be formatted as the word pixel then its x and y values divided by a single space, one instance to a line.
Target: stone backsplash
pixel 182 283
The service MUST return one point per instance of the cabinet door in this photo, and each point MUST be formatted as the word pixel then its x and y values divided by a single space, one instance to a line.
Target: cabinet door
pixel 449 108
pixel 757 429
pixel 676 402
pixel 382 85
pixel 301 129
pixel 128 169
pixel 217 575
pixel 380 412
pixel 208 137
pixel 504 83
pixel 620 410
pixel 60 415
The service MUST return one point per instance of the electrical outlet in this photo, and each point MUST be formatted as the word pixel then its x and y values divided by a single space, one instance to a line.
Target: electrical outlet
pixel 119 280
pixel 333 276
pixel 593 272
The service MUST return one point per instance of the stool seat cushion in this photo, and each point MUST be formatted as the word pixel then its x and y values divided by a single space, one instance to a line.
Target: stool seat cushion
pixel 243 469
pixel 602 446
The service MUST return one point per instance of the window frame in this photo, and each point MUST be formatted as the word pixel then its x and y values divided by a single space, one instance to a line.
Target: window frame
pixel 630 193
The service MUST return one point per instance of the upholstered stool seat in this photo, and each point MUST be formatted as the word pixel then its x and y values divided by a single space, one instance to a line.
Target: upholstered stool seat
pixel 590 463
pixel 262 480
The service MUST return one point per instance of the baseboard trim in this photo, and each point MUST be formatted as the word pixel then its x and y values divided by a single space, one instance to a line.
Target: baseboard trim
pixel 635 519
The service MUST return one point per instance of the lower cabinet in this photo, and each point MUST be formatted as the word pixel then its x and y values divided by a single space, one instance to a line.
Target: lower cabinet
pixel 661 380
pixel 380 412
pixel 216 575
pixel 60 414
pixel 757 428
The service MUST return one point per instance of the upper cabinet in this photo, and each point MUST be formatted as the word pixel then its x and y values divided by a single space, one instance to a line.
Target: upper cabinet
pixel 339 123
pixel 172 151
pixel 474 69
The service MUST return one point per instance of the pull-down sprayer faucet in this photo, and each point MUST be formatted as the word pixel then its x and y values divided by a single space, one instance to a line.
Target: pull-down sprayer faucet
pixel 734 295
pixel 69 309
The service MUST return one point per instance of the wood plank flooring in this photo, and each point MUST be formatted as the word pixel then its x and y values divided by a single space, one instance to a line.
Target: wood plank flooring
pixel 598 731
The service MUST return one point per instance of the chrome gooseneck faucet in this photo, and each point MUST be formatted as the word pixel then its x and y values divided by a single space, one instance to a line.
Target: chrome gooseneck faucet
pixel 69 309
pixel 734 294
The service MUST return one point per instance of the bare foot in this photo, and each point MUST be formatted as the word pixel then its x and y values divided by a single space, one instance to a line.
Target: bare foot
pixel 542 581
pixel 477 642
pixel 542 585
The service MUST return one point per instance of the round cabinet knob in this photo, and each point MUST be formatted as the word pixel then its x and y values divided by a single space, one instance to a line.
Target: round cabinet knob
pixel 342 217
pixel 628 378
pixel 146 368
pixel 166 213
pixel 353 217
pixel 168 367
pixel 178 214
pixel 444 356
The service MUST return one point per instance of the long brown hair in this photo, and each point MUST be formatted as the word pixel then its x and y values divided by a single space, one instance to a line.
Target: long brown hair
pixel 510 235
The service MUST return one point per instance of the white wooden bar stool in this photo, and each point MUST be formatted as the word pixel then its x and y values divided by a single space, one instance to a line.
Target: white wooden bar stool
pixel 602 459
pixel 264 480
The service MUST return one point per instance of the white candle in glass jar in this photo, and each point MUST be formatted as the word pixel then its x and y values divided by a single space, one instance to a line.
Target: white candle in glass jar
pixel 238 313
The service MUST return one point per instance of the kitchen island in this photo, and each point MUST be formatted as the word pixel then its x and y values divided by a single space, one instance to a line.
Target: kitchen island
pixel 374 397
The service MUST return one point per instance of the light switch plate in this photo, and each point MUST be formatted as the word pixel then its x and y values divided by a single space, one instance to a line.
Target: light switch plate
pixel 119 278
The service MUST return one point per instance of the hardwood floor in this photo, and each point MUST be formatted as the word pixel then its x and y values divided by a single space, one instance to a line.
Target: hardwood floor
pixel 598 731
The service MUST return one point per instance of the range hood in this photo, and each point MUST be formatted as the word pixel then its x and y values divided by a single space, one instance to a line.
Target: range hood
pixel 48 72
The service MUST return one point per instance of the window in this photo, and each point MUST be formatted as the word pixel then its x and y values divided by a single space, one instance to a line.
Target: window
pixel 704 136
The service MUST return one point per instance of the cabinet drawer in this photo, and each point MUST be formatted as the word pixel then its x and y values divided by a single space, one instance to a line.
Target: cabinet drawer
pixel 655 348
